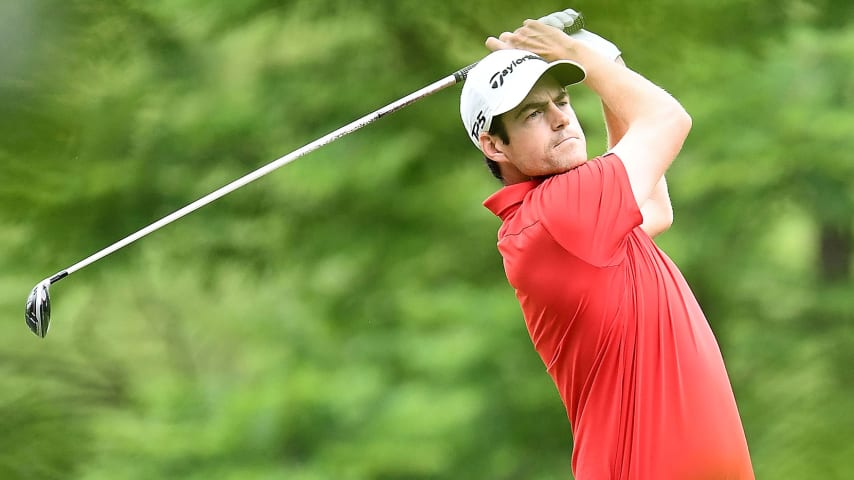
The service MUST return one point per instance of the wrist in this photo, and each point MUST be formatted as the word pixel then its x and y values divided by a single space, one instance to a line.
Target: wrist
pixel 600 45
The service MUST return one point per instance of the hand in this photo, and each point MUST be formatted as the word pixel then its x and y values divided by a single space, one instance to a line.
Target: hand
pixel 566 18
pixel 533 36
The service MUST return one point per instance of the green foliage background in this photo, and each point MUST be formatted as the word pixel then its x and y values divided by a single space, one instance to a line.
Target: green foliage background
pixel 347 316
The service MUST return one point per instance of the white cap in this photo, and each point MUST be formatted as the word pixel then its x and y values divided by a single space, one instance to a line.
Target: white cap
pixel 499 82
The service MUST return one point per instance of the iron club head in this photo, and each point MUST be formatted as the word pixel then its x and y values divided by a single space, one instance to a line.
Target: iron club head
pixel 37 313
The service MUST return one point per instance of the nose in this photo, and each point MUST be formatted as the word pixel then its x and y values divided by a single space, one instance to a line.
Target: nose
pixel 559 118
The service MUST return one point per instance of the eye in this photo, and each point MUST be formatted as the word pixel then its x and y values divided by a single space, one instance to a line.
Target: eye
pixel 534 114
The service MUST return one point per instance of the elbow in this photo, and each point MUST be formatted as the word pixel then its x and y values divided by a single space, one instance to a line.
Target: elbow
pixel 658 227
pixel 666 213
pixel 670 125
pixel 667 220
pixel 680 121
pixel 657 220
pixel 676 126
pixel 685 122
pixel 672 114
pixel 661 213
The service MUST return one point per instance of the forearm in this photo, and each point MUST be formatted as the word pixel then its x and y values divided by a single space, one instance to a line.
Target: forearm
pixel 614 126
pixel 653 124
pixel 657 122
pixel 631 98
pixel 657 211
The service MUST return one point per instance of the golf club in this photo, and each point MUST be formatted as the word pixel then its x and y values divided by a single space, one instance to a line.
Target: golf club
pixel 37 313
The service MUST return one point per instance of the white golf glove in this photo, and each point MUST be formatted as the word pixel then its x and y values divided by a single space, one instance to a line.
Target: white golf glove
pixel 566 18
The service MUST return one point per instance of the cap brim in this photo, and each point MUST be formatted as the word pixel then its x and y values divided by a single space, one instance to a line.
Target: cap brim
pixel 565 72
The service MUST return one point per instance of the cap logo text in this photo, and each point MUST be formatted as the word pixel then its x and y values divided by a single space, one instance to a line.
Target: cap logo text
pixel 497 78
pixel 478 125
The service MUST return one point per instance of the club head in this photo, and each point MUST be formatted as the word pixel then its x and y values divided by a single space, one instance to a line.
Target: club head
pixel 37 313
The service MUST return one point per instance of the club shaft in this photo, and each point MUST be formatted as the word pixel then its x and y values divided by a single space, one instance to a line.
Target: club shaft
pixel 434 87
pixel 252 176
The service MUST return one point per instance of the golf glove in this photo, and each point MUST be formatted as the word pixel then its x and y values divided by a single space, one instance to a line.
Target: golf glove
pixel 567 17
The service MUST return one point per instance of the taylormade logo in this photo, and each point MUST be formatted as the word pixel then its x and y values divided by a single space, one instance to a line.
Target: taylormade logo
pixel 497 78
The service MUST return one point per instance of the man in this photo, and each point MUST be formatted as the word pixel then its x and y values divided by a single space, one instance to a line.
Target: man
pixel 615 323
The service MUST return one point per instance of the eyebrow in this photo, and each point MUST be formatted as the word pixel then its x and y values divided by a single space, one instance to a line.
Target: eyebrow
pixel 562 95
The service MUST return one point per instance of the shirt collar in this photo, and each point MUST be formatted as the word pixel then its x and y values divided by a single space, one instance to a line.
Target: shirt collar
pixel 504 202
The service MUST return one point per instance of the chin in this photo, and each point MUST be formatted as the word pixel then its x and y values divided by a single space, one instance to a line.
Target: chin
pixel 573 163
pixel 577 160
pixel 554 171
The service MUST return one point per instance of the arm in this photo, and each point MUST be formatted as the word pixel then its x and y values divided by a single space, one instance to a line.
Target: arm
pixel 655 123
pixel 657 211
pixel 614 126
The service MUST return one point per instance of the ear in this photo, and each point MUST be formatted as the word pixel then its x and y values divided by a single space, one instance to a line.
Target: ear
pixel 492 147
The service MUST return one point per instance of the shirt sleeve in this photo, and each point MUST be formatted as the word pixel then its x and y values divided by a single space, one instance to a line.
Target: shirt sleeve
pixel 590 210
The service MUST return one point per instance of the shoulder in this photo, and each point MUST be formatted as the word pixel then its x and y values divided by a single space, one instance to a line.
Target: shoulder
pixel 594 175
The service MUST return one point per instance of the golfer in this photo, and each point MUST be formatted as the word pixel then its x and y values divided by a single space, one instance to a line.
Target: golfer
pixel 614 321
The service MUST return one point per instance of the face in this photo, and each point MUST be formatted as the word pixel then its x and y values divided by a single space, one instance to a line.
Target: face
pixel 544 135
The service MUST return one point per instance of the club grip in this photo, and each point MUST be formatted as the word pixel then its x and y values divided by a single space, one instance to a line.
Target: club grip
pixel 575 26
pixel 567 20
pixel 462 73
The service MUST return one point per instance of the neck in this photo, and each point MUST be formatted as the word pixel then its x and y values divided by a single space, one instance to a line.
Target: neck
pixel 511 175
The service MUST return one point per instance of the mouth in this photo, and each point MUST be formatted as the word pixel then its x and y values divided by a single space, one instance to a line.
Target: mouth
pixel 565 140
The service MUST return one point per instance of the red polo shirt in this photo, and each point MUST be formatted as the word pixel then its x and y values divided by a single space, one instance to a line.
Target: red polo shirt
pixel 619 331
